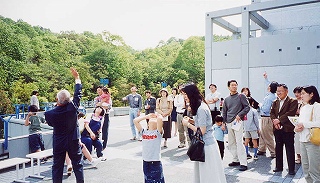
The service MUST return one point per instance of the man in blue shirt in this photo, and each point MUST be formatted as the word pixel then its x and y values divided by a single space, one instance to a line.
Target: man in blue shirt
pixel 266 129
pixel 135 102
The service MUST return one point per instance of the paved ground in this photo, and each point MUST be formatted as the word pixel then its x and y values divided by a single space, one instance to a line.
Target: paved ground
pixel 124 164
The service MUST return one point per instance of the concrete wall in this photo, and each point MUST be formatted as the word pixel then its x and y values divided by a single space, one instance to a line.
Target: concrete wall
pixel 289 51
pixel 18 142
pixel 293 19
pixel 19 146
pixel 290 65
pixel 17 128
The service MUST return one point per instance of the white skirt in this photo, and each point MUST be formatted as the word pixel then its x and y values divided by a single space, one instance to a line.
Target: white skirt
pixel 211 170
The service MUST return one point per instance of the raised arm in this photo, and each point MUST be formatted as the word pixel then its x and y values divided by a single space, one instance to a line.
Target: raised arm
pixel 137 120
pixel 27 122
pixel 78 87
pixel 160 124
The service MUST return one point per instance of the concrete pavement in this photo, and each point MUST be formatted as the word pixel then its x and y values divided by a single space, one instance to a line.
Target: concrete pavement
pixel 124 163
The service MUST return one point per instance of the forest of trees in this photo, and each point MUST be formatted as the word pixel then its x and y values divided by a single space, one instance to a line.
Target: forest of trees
pixel 34 58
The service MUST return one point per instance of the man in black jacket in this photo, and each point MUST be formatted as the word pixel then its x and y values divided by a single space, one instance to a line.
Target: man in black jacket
pixel 149 103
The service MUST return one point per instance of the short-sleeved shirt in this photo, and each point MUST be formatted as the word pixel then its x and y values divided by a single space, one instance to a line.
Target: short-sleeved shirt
pixel 34 101
pixel 94 124
pixel 151 142
pixel 211 96
pixel 203 118
pixel 35 122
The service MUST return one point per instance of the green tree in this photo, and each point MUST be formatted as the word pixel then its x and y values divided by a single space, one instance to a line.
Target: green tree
pixel 191 59
pixel 6 106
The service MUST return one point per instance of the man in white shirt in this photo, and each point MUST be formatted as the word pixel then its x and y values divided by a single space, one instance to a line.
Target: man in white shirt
pixel 213 100
pixel 179 103
pixel 34 99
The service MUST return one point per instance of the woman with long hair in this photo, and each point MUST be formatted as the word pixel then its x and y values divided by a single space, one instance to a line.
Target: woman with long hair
pixel 211 170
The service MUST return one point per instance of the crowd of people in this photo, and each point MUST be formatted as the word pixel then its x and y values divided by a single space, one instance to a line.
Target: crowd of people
pixel 266 125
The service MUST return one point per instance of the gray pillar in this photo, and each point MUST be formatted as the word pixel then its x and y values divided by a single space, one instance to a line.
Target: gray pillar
pixel 245 31
pixel 208 52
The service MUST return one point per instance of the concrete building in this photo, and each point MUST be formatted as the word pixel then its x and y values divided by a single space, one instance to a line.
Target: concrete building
pixel 281 37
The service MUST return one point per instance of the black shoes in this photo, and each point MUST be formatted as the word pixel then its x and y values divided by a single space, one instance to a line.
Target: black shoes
pixel 234 164
pixel 280 170
pixel 277 170
pixel 292 172
pixel 243 168
pixel 272 156
pixel 261 153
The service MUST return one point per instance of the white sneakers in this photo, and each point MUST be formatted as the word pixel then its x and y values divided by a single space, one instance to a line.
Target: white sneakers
pixel 94 162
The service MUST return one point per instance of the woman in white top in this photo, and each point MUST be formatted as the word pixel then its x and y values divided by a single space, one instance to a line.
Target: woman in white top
pixel 309 118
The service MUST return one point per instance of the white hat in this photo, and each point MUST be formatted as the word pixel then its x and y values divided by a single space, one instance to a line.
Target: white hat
pixel 164 89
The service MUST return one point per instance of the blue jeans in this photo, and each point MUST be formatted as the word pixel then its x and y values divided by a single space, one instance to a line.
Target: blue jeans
pixel 153 172
pixel 133 113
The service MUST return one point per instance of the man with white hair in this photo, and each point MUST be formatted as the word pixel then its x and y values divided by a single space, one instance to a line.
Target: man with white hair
pixel 64 121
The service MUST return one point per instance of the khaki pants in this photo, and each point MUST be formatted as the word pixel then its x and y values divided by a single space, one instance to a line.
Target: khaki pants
pixel 235 144
pixel 266 136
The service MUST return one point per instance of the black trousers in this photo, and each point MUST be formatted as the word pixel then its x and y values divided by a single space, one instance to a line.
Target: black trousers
pixel 287 139
pixel 61 145
pixel 221 148
pixel 105 131
pixel 214 114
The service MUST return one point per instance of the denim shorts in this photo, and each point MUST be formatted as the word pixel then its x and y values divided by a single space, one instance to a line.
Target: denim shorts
pixel 36 142
pixel 153 172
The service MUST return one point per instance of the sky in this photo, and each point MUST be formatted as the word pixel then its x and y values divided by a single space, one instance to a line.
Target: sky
pixel 141 23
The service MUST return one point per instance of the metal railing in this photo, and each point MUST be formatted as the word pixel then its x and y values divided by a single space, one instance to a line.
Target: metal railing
pixel 5 128
pixel 21 112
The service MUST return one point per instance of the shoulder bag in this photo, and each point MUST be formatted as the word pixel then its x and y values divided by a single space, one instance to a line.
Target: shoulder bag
pixel 314 133
pixel 196 149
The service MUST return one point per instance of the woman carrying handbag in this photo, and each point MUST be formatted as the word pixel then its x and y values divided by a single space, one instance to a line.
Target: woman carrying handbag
pixel 211 170
pixel 309 119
